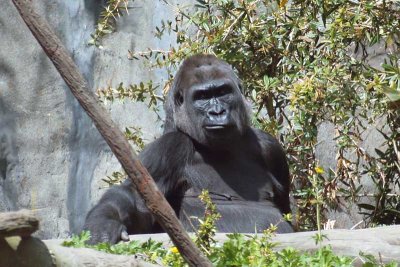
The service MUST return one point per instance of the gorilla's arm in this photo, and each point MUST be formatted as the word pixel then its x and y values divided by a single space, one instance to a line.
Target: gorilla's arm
pixel 112 217
pixel 275 158
pixel 121 209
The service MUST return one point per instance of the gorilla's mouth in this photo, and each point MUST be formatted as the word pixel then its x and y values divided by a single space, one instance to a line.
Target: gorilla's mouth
pixel 218 129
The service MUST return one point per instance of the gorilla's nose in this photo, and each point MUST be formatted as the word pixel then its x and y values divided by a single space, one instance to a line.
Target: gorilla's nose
pixel 218 119
pixel 217 111
pixel 217 115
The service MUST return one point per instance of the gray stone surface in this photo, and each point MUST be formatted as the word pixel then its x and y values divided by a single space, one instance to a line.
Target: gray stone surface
pixel 52 159
pixel 347 215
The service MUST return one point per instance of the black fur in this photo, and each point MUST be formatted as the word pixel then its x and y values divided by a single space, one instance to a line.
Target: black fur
pixel 207 144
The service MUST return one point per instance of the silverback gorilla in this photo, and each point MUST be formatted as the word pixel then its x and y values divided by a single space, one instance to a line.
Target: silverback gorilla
pixel 207 144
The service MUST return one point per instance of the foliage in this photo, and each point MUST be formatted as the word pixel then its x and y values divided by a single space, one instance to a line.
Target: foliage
pixel 207 227
pixel 78 241
pixel 305 63
pixel 105 25
pixel 258 251
pixel 115 178
pixel 150 250
pixel 135 92
pixel 134 134
pixel 238 250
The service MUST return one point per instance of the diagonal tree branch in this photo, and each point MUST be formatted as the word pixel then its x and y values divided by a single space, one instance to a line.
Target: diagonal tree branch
pixel 142 180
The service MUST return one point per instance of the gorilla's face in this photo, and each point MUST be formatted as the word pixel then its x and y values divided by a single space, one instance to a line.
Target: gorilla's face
pixel 212 105
pixel 208 104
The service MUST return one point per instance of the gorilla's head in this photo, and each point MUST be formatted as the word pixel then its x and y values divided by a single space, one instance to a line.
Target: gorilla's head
pixel 206 102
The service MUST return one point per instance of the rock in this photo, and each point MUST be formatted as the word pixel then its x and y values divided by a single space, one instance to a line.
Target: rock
pixel 82 257
pixel 24 252
pixel 20 223
pixel 32 252
pixel 381 242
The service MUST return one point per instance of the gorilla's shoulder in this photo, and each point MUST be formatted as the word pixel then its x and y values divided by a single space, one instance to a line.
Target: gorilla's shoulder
pixel 271 149
pixel 265 139
pixel 167 155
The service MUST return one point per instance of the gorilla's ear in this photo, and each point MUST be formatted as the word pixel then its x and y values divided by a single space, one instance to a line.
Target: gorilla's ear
pixel 178 99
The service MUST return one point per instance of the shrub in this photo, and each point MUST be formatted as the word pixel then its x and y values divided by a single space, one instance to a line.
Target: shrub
pixel 297 60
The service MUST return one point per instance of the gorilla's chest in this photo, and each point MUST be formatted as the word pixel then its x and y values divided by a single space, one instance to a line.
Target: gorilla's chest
pixel 240 187
pixel 241 176
pixel 236 215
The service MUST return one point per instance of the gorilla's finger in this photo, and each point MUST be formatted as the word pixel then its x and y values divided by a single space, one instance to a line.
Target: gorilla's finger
pixel 124 235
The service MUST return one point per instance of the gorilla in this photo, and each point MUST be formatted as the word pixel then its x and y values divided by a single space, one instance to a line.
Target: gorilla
pixel 207 143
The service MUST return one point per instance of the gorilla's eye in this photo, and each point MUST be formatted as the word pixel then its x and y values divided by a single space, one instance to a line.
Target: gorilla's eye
pixel 202 95
pixel 178 99
pixel 224 90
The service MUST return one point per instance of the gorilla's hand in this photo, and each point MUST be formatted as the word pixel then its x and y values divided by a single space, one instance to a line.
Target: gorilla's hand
pixel 106 230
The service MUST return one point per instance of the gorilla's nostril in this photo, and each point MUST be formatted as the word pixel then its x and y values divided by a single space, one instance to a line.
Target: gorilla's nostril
pixel 218 112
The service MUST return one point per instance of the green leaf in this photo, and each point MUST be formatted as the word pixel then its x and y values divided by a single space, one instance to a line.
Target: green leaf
pixel 380 153
pixel 392 94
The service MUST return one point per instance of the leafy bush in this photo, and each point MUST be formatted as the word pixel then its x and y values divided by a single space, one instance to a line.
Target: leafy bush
pixel 238 250
pixel 304 63
pixel 105 25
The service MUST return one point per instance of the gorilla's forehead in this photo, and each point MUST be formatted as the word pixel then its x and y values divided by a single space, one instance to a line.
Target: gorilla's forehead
pixel 207 74
pixel 212 84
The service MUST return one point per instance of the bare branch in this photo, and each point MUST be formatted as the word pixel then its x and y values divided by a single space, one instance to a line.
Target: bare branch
pixel 114 137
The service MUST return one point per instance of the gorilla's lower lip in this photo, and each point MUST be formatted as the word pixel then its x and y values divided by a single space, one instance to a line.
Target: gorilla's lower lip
pixel 215 127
